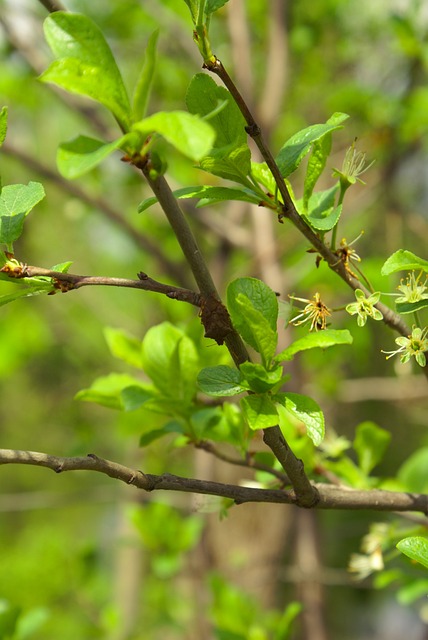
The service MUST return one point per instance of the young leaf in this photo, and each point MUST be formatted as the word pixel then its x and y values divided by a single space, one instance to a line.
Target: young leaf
pixel 134 396
pixel 3 124
pixel 106 390
pixel 78 156
pixel 259 294
pixel 221 381
pixel 193 7
pixel 411 307
pixel 16 202
pixel 214 5
pixel 254 328
pixel 85 63
pixel 403 260
pixel 415 548
pixel 320 151
pixel 321 212
pixel 144 82
pixel 186 132
pixel 123 346
pixel 259 379
pixel 295 149
pixel 259 411
pixel 170 359
pixel 231 163
pixel 307 411
pixel 370 443
pixel 322 339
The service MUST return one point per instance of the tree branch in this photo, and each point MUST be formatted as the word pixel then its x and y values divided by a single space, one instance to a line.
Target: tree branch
pixel 65 282
pixel 330 497
pixel 172 269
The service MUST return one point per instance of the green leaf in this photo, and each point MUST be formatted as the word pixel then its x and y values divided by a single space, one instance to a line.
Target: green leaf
pixel 411 307
pixel 370 443
pixel 212 195
pixel 3 125
pixel 403 260
pixel 85 63
pixel 221 381
pixel 307 411
pixel 255 329
pixel 170 359
pixel 124 346
pixel 193 7
pixel 259 379
pixel 186 132
pixel 150 436
pixel 322 339
pixel 320 151
pixel 231 163
pixel 413 472
pixel 145 79
pixel 259 411
pixel 263 175
pixel 322 214
pixel 230 158
pixel 295 149
pixel 9 615
pixel 261 296
pixel 80 155
pixel 27 292
pixel 134 396
pixel 107 390
pixel 16 202
pixel 416 548
pixel 213 5
pixel 203 97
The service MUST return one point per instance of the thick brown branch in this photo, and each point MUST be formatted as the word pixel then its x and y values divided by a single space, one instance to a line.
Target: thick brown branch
pixel 330 497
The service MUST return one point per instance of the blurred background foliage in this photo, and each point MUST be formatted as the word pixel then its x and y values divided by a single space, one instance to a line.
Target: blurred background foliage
pixel 81 556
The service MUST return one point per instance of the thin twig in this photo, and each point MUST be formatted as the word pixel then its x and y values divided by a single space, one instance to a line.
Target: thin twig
pixel 68 281
pixel 329 497
pixel 173 270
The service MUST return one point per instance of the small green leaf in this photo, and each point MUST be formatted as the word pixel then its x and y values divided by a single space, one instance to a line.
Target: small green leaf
pixel 62 267
pixel 231 163
pixel 150 436
pixel 416 548
pixel 85 63
pixel 321 339
pixel 403 260
pixel 9 616
pixel 16 202
pixel 107 390
pixel 221 381
pixel 23 293
pixel 320 151
pixel 322 214
pixel 307 411
pixel 214 5
pixel 259 411
pixel 145 79
pixel 3 125
pixel 134 396
pixel 255 329
pixel 370 443
pixel 295 149
pixel 411 307
pixel 203 97
pixel 80 155
pixel 261 296
pixel 263 175
pixel 212 195
pixel 186 132
pixel 124 346
pixel 259 379
pixel 170 359
pixel 193 7
pixel 413 472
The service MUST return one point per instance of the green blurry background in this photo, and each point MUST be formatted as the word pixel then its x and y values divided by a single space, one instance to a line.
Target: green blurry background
pixel 82 556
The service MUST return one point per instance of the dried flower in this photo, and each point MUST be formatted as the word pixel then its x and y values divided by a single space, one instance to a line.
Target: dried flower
pixel 315 312
pixel 364 307
pixel 415 345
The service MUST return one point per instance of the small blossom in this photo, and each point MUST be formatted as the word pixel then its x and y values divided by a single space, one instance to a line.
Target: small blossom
pixel 415 345
pixel 364 307
pixel 362 565
pixel 354 165
pixel 315 312
pixel 412 289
